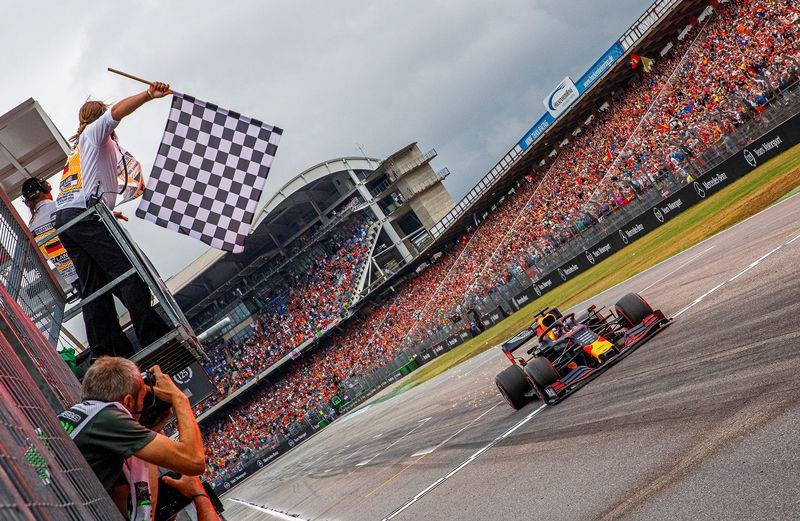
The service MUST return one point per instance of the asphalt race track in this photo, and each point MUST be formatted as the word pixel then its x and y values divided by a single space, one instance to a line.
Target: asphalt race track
pixel 699 423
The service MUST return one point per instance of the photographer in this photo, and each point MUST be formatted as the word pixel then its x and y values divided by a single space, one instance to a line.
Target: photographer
pixel 105 426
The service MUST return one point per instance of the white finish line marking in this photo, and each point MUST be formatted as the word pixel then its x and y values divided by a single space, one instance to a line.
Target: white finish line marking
pixel 748 268
pixel 273 513
pixel 465 463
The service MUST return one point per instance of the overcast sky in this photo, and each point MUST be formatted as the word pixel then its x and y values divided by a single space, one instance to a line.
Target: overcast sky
pixel 464 77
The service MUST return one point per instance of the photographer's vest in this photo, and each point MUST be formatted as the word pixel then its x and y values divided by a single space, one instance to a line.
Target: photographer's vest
pixel 136 471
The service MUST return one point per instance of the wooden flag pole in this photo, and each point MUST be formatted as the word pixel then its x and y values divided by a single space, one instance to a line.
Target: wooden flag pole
pixel 131 76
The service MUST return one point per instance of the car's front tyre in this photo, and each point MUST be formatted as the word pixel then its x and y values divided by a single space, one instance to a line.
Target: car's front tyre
pixel 632 309
pixel 542 373
pixel 513 386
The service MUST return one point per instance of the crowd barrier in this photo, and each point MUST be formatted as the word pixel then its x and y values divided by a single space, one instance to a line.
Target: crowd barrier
pixel 745 161
pixel 738 164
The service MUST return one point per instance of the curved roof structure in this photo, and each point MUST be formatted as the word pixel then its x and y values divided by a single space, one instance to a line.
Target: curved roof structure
pixel 294 208
pixel 312 175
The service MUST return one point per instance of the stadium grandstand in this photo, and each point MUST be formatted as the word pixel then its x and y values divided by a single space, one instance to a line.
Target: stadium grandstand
pixel 357 264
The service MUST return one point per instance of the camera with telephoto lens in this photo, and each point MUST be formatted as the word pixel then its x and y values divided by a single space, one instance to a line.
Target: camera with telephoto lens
pixel 155 410
pixel 149 378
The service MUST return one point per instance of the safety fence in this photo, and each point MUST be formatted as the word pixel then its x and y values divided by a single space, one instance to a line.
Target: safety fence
pixel 43 476
pixel 772 132
pixel 25 275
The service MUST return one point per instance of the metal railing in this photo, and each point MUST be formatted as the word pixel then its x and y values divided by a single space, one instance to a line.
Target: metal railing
pixel 26 276
pixel 43 475
pixel 649 19
pixel 176 349
pixel 395 173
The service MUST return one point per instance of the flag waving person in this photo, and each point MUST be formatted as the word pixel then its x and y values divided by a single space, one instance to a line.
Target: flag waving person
pixel 91 177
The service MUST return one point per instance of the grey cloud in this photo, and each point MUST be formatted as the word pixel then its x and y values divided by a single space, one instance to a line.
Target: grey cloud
pixel 464 77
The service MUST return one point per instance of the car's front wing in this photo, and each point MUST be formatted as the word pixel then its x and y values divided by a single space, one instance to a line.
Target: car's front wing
pixel 630 341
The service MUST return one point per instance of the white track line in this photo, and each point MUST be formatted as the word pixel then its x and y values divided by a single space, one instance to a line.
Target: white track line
pixel 421 423
pixel 273 513
pixel 469 460
pixel 680 267
pixel 748 268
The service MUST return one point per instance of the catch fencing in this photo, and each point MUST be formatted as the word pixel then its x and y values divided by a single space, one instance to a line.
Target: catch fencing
pixel 24 274
pixel 763 137
pixel 43 476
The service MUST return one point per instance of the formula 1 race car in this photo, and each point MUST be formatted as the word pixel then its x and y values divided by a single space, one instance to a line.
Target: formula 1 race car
pixel 568 352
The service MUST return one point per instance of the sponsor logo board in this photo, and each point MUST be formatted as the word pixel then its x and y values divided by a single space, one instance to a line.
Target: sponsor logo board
pixel 561 97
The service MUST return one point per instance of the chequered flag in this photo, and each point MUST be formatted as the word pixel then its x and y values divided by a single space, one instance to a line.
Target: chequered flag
pixel 209 173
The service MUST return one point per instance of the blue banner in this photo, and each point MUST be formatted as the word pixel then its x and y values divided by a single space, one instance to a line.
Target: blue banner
pixel 600 67
pixel 536 131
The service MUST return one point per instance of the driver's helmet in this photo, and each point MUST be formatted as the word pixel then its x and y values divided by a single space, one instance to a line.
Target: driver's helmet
pixel 545 322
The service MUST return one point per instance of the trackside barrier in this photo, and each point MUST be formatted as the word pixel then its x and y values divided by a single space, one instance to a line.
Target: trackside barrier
pixel 43 475
pixel 493 317
pixel 742 163
pixel 621 233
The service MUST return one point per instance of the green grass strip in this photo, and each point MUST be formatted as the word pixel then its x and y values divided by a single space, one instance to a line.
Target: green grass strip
pixel 749 195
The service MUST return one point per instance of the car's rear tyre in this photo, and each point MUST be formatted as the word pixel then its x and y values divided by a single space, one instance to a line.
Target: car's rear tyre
pixel 632 309
pixel 513 385
pixel 542 373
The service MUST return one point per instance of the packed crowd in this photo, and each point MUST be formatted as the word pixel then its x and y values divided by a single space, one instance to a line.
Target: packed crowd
pixel 702 90
pixel 298 306
pixel 725 72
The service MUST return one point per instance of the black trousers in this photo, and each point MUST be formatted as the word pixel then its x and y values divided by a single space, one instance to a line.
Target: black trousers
pixel 98 260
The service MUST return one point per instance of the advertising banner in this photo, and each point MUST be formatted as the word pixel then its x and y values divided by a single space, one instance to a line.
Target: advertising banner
pixel 561 97
pixel 194 383
pixel 536 131
pixel 600 67
pixel 567 92
pixel 492 318
pixel 425 356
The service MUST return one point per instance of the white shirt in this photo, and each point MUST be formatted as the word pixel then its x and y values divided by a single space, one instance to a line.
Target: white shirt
pixel 98 167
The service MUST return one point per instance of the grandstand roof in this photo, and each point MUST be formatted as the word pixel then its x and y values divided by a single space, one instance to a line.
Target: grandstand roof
pixel 649 44
pixel 279 220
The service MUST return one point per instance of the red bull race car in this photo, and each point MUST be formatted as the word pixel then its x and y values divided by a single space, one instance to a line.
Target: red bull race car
pixel 567 352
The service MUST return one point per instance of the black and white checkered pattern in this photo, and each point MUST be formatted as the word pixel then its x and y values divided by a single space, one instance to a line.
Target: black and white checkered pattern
pixel 209 173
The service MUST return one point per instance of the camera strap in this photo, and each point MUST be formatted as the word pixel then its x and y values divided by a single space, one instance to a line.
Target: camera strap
pixel 74 419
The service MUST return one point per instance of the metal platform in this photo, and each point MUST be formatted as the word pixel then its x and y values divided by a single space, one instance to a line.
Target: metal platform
pixel 179 348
